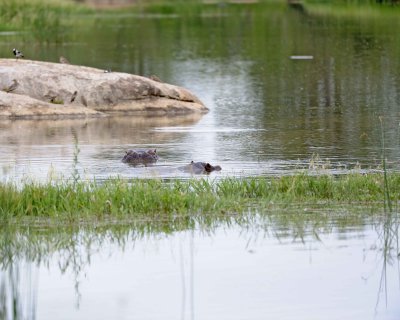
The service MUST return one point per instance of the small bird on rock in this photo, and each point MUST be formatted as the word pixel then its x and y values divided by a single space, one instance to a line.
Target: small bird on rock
pixel 155 78
pixel 18 54
pixel 74 96
pixel 64 60
pixel 12 86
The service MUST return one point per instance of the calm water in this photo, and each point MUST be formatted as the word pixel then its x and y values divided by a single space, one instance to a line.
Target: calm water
pixel 275 268
pixel 271 268
pixel 269 114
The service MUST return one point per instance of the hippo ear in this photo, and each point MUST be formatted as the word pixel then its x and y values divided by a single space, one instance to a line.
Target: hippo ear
pixel 155 150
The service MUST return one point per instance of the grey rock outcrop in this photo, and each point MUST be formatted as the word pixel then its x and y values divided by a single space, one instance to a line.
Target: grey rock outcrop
pixel 51 89
pixel 20 106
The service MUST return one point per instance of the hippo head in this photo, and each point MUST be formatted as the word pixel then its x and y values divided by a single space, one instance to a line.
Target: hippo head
pixel 210 168
pixel 140 156
pixel 202 167
pixel 152 152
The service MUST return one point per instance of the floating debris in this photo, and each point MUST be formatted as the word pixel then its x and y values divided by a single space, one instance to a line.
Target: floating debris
pixel 301 57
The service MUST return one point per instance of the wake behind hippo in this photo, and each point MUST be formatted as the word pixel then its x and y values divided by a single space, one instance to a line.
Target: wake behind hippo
pixel 200 167
pixel 140 156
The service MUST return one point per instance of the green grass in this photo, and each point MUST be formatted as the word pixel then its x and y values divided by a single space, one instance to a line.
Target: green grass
pixel 38 220
pixel 155 199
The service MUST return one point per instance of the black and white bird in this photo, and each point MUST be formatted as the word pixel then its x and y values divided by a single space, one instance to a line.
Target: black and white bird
pixel 18 54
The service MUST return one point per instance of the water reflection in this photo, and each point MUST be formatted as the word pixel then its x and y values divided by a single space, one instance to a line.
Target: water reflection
pixel 281 110
pixel 318 260
pixel 43 150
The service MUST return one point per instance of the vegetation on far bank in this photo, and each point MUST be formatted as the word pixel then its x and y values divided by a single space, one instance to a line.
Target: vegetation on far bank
pixel 49 20
pixel 157 199
pixel 44 20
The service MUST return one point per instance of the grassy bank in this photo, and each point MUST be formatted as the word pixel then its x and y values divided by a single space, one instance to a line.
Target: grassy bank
pixel 155 199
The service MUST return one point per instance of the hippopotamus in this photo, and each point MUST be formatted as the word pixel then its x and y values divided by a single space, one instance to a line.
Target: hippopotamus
pixel 140 156
pixel 200 167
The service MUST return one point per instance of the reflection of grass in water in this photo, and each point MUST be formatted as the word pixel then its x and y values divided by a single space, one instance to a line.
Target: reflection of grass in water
pixel 38 240
pixel 72 245
pixel 342 9
pixel 46 20
pixel 389 233
pixel 191 8
pixel 387 200
pixel 75 172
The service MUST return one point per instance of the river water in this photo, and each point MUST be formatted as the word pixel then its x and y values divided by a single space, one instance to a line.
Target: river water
pixel 271 113
pixel 279 267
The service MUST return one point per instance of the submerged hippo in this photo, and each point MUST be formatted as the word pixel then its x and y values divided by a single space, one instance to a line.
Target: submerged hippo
pixel 140 156
pixel 200 167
